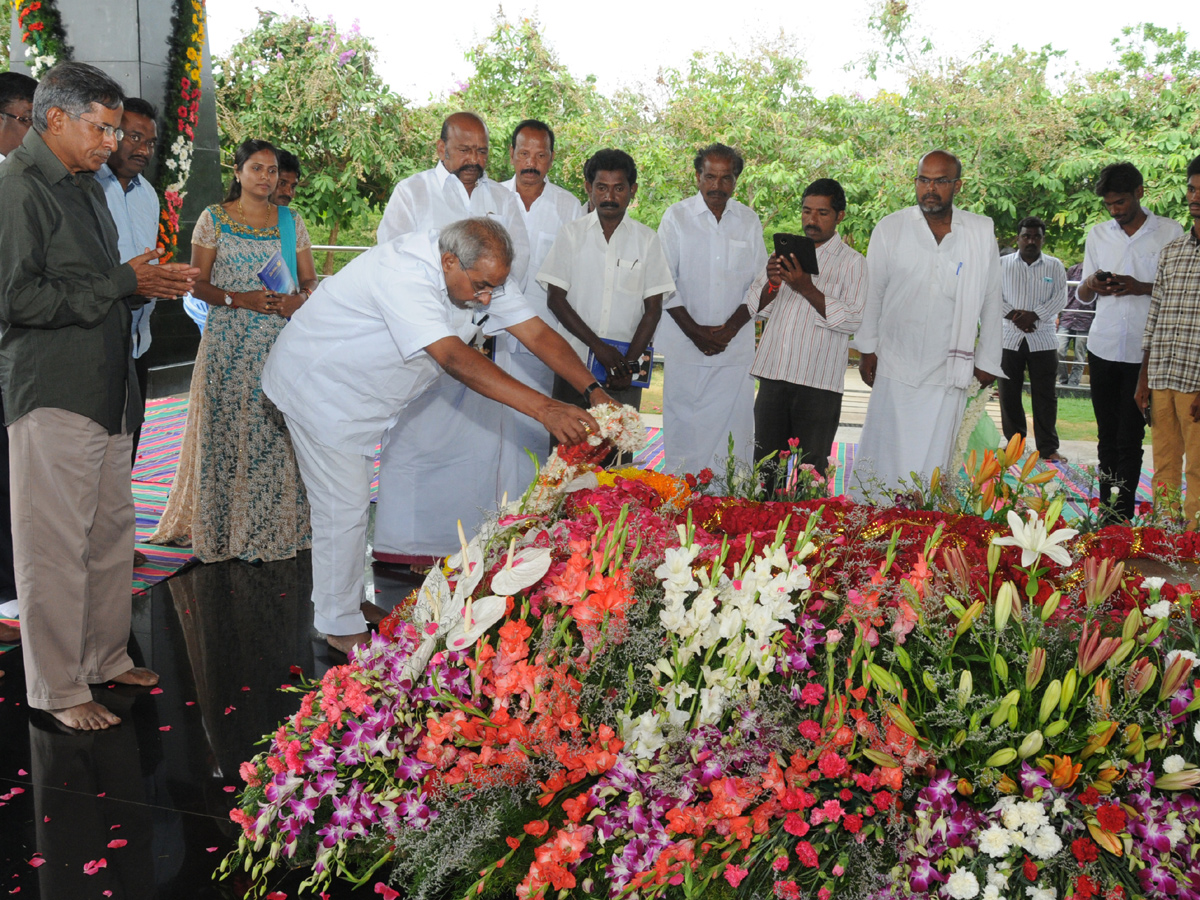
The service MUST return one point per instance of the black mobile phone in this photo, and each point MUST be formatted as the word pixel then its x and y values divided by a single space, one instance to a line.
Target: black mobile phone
pixel 799 245
pixel 1101 275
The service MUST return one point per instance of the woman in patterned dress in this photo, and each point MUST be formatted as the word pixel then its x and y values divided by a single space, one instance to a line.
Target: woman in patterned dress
pixel 238 493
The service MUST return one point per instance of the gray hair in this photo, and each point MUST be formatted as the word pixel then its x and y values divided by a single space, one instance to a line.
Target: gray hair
pixel 73 87
pixel 471 239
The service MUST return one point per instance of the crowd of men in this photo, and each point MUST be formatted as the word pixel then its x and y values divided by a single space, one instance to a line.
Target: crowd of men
pixel 567 300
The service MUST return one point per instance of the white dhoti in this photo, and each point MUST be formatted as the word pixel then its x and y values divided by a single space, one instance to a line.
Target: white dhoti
pixel 338 484
pixel 519 432
pixel 908 429
pixel 439 465
pixel 702 406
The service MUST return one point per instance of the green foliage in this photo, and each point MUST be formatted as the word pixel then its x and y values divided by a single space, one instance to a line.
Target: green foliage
pixel 1029 145
pixel 307 88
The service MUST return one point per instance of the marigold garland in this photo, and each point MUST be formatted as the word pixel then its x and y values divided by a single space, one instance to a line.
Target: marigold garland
pixel 181 117
pixel 42 33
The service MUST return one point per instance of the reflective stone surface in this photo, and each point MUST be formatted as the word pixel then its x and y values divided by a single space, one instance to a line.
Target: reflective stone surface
pixel 223 638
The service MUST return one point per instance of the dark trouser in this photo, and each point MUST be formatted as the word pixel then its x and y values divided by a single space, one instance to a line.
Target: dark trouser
pixel 141 365
pixel 1120 428
pixel 1043 367
pixel 783 410
pixel 8 579
pixel 630 396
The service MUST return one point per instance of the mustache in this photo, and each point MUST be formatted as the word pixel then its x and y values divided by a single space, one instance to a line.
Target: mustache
pixel 470 167
pixel 531 171
pixel 609 205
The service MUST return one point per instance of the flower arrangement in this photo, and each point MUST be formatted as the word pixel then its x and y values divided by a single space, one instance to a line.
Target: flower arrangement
pixel 182 114
pixel 42 33
pixel 633 689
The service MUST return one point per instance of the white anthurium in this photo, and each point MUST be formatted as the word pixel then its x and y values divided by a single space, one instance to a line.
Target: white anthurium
pixel 522 569
pixel 469 562
pixel 433 598
pixel 481 615
pixel 584 482
pixel 1035 542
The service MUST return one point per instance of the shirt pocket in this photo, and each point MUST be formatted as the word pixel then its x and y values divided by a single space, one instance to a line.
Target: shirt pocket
pixel 738 256
pixel 628 278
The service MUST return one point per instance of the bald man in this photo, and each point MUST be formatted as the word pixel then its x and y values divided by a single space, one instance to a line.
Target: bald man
pixel 440 460
pixel 932 327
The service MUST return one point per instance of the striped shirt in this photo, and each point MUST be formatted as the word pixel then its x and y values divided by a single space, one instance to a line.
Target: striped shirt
pixel 1172 334
pixel 798 344
pixel 1041 287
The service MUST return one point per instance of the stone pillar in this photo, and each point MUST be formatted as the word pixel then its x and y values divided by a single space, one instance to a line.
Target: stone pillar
pixel 129 39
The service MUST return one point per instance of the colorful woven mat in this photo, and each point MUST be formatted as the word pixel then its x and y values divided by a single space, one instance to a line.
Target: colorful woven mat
pixel 4 648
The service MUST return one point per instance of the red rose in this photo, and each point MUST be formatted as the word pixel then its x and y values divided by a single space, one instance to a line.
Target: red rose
pixel 1112 818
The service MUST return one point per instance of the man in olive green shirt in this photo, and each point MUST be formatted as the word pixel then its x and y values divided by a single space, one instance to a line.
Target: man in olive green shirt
pixel 70 395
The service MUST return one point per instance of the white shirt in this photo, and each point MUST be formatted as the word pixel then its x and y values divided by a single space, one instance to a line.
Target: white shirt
pixel 908 320
pixel 436 198
pixel 135 213
pixel 798 343
pixel 1040 286
pixel 712 264
pixel 553 208
pixel 354 355
pixel 1117 328
pixel 606 281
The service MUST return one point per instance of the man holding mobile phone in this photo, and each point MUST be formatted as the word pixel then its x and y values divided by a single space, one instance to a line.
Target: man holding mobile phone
pixel 1120 262
pixel 801 360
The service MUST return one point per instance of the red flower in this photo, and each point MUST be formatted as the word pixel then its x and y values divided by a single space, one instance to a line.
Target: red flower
pixel 1085 850
pixel 734 875
pixel 1086 887
pixel 1029 869
pixel 807 855
pixel 787 890
pixel 1089 797
pixel 706 475
pixel 537 828
pixel 832 765
pixel 513 843
pixel 1112 818
pixel 853 823
pixel 810 729
pixel 882 799
pixel 813 694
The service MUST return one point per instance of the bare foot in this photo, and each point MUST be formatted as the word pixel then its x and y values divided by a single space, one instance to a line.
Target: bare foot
pixel 90 716
pixel 11 635
pixel 373 614
pixel 137 676
pixel 347 642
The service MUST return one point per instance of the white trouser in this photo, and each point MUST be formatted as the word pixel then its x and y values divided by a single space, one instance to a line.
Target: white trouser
pixel 702 406
pixel 339 491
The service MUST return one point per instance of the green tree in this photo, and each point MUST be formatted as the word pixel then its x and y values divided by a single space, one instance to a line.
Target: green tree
pixel 310 89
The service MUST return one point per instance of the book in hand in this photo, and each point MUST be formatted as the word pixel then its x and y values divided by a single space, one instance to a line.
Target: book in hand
pixel 276 276
pixel 801 246
pixel 641 372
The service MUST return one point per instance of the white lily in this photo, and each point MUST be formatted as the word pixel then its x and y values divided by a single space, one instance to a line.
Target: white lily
pixel 1035 542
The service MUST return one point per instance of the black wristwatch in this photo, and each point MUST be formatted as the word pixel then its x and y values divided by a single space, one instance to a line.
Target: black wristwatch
pixel 587 392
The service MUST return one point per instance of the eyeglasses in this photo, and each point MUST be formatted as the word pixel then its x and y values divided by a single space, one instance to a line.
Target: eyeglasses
pixel 109 131
pixel 940 182
pixel 492 292
pixel 24 120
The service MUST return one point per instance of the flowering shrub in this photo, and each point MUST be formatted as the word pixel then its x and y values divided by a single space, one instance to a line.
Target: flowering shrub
pixel 42 33
pixel 627 688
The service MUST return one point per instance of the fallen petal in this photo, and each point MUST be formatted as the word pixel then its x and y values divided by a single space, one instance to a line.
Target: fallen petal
pixel 117 843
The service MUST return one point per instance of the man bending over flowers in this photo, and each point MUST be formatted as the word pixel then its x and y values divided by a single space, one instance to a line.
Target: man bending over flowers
pixel 371 340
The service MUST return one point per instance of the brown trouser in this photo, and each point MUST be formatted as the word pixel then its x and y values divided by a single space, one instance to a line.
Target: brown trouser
pixel 73 519
pixel 1175 437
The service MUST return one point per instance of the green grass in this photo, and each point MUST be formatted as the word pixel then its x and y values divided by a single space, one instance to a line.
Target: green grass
pixel 1076 419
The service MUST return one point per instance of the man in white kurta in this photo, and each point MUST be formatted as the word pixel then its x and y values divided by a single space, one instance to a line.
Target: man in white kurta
pixel 449 429
pixel 605 278
pixel 932 326
pixel 370 341
pixel 545 207
pixel 714 246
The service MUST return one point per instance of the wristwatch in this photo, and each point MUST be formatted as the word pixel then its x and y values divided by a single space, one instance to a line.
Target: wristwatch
pixel 229 300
